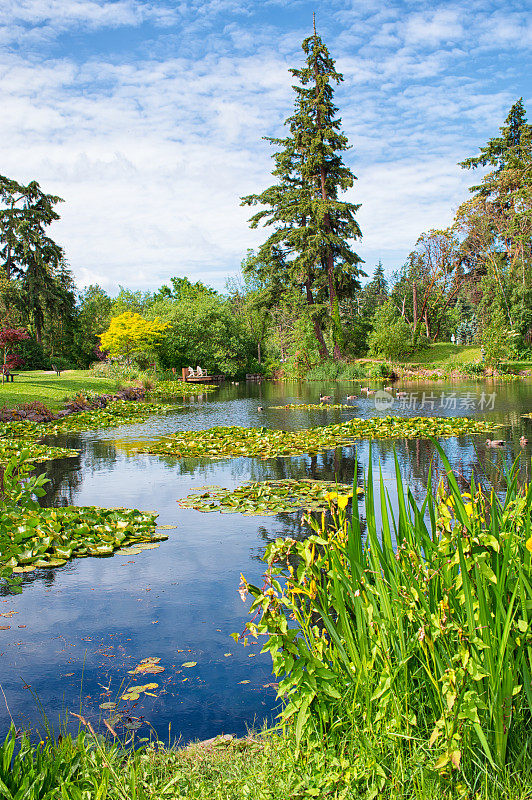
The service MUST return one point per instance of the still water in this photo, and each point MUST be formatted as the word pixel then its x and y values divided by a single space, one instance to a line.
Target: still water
pixel 75 631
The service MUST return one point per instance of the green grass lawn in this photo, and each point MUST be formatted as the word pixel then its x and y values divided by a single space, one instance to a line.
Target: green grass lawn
pixel 445 354
pixel 50 389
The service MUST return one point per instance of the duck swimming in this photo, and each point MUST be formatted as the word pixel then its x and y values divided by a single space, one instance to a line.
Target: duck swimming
pixel 495 442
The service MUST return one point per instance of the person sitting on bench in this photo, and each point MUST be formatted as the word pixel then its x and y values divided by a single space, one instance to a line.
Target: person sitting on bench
pixel 199 372
pixel 56 369
pixel 7 374
pixel 191 372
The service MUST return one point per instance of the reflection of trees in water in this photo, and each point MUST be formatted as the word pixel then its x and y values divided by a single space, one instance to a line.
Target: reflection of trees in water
pixel 65 475
pixel 45 576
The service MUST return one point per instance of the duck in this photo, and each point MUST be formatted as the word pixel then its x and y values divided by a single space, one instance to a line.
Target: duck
pixel 495 442
pixel 260 408
pixel 523 441
pixel 325 398
pixel 351 397
pixel 370 391
pixel 387 389
pixel 401 394
pixel 364 389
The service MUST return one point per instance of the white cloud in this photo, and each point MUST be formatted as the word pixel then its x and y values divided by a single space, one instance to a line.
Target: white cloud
pixel 151 148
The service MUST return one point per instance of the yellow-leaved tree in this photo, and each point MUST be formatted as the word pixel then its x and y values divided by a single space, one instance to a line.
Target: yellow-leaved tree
pixel 130 334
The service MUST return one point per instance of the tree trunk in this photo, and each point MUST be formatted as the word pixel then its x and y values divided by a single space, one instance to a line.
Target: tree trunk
pixel 258 353
pixel 322 347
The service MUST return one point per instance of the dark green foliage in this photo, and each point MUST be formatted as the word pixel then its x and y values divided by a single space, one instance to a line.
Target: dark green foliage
pixel 311 244
pixel 203 331
pixel 503 152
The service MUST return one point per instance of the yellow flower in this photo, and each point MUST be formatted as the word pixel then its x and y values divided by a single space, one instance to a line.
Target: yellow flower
pixel 343 500
pixel 529 544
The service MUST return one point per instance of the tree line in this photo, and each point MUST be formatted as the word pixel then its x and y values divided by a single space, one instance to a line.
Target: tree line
pixel 299 299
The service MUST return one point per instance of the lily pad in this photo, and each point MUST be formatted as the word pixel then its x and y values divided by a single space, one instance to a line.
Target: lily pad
pixel 234 442
pixel 269 497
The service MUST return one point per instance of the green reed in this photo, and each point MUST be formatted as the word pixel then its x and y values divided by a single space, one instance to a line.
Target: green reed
pixel 410 628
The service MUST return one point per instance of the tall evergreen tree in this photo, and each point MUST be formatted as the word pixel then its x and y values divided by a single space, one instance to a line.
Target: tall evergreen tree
pixel 496 224
pixel 504 152
pixel 31 263
pixel 311 245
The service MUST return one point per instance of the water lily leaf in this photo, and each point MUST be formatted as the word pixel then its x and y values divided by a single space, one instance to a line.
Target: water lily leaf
pixel 233 442
pixel 269 498
pixel 133 725
pixel 107 706
pixel 130 696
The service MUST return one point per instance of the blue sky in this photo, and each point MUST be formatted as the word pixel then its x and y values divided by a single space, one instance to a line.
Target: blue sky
pixel 147 118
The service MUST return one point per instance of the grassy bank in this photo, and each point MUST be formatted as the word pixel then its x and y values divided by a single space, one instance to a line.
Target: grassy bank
pixel 51 389
pixel 266 767
pixel 437 362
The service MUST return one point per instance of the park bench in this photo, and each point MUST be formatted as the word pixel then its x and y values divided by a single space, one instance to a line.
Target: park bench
pixel 7 375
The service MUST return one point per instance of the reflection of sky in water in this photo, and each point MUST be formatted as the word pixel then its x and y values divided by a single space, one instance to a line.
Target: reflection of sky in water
pixel 92 620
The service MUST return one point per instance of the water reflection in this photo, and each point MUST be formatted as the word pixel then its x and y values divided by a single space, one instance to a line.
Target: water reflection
pixel 83 626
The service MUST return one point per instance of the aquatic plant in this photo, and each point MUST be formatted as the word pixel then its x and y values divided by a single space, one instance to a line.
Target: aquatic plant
pixel 14 447
pixel 232 442
pixel 268 497
pixel 18 435
pixel 33 537
pixel 49 537
pixel 415 629
pixel 166 390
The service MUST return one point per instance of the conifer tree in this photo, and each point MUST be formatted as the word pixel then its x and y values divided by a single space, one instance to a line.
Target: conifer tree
pixel 504 152
pixel 311 244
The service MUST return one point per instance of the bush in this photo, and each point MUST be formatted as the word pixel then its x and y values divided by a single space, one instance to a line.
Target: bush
pixel 391 336
pixel 497 340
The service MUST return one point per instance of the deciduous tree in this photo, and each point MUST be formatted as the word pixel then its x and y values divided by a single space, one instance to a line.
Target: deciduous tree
pixel 129 334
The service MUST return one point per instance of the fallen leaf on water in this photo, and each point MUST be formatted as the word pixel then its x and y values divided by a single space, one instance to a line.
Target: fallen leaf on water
pixel 147 666
pixel 130 696
pixel 227 655
pixel 4 627
pixel 107 706
pixel 244 681
pixel 189 664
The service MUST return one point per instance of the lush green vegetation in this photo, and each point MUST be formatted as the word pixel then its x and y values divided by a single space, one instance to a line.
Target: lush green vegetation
pixel 299 302
pixel 267 498
pixel 232 442
pixel 411 638
pixel 402 657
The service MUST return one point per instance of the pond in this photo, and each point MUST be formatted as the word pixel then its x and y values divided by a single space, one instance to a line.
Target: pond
pixel 75 632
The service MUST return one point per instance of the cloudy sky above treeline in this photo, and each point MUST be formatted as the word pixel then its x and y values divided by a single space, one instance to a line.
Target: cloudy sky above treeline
pixel 147 118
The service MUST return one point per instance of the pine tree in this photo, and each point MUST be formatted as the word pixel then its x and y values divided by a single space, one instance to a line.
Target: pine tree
pixel 311 245
pixel 30 261
pixel 503 152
